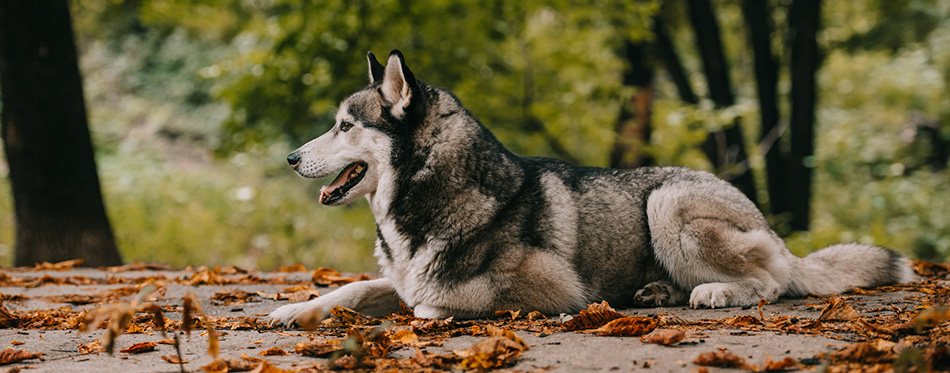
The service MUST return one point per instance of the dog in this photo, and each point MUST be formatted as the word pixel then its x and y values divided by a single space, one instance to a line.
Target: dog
pixel 465 227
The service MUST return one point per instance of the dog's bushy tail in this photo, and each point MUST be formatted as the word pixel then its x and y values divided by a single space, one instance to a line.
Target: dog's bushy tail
pixel 839 268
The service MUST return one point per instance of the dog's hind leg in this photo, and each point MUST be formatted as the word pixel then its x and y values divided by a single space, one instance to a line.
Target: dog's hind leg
pixel 375 298
pixel 714 241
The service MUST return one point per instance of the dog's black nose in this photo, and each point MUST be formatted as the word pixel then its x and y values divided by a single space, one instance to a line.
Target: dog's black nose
pixel 293 159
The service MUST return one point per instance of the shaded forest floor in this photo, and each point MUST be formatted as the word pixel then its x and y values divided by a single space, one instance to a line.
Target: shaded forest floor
pixel 212 319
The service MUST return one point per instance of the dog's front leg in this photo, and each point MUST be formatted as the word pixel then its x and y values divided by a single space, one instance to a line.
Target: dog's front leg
pixel 375 298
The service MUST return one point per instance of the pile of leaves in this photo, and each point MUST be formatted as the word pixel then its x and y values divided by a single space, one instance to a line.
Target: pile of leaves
pixel 913 335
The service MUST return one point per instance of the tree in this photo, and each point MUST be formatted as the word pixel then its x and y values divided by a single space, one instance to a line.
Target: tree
pixel 57 199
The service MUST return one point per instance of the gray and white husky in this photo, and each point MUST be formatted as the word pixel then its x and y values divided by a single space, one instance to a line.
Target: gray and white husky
pixel 465 227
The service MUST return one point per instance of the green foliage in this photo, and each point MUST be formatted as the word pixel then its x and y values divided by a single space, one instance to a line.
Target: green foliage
pixel 194 104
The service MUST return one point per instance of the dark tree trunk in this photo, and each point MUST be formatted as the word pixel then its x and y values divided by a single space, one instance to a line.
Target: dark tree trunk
pixel 57 201
pixel 667 55
pixel 725 148
pixel 803 21
pixel 633 125
pixel 759 20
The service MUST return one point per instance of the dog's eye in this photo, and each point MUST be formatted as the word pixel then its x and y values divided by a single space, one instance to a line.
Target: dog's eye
pixel 345 126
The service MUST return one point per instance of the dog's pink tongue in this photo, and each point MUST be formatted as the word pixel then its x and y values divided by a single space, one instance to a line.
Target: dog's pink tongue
pixel 338 182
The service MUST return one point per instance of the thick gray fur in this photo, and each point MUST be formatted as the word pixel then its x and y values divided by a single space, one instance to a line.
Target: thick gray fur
pixel 465 227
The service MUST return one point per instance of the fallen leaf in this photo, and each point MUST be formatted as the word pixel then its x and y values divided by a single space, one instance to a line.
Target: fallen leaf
pixel 274 351
pixel 876 351
pixel 174 359
pixel 292 268
pixel 508 313
pixel 762 302
pixel 596 315
pixel 228 365
pixel 743 320
pixel 499 350
pixel 10 355
pixel 17 343
pixel 265 367
pixel 90 348
pixel 59 266
pixel 302 296
pixel 722 359
pixel 667 337
pixel 167 341
pixel 229 297
pixel 318 348
pixel 139 348
pixel 784 364
pixel 838 310
pixel 626 326
pixel 8 319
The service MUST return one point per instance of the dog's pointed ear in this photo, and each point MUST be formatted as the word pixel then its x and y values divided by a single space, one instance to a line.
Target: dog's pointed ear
pixel 398 84
pixel 375 69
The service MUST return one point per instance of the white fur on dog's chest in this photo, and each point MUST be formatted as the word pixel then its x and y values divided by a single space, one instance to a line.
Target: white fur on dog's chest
pixel 412 277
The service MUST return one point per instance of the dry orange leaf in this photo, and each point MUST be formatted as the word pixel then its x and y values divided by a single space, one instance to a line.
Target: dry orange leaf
pixel 626 326
pixel 292 268
pixel 784 364
pixel 666 337
pixel 596 315
pixel 508 313
pixel 318 348
pixel 174 359
pixel 876 351
pixel 722 359
pixel 228 365
pixel 9 355
pixel 59 266
pixel 496 351
pixel 139 348
pixel 838 310
pixel 167 341
pixel 17 343
pixel 274 351
pixel 265 367
pixel 91 348
pixel 302 295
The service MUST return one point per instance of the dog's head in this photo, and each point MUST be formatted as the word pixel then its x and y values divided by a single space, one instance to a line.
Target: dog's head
pixel 360 143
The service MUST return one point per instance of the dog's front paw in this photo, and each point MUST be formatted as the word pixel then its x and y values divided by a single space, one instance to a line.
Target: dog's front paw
pixel 711 295
pixel 309 312
pixel 658 294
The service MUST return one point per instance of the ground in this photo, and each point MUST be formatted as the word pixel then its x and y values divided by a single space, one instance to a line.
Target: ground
pixel 45 308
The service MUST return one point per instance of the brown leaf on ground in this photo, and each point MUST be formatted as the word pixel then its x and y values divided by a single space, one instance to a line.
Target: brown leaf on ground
pixel 10 355
pixel 626 326
pixel 204 276
pixel 743 320
pixel 762 302
pixel 785 364
pixel 139 348
pixel 929 317
pixel 596 315
pixel 722 359
pixel 838 310
pixel 77 299
pixel 667 337
pixel 292 268
pixel 229 297
pixel 59 266
pixel 350 317
pixel 404 337
pixel 318 348
pixel 265 367
pixel 91 348
pixel 302 287
pixel 273 351
pixel 508 314
pixel 929 269
pixel 876 351
pixel 137 266
pixel 174 359
pixel 17 343
pixel 229 365
pixel 501 349
pixel 251 358
pixel 331 277
pixel 8 319
pixel 535 315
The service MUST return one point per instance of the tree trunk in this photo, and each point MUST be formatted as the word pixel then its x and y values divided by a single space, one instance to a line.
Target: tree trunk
pixel 725 149
pixel 758 19
pixel 671 61
pixel 803 18
pixel 57 201
pixel 633 126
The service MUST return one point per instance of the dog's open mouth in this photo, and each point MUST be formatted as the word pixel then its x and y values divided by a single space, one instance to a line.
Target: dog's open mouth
pixel 346 180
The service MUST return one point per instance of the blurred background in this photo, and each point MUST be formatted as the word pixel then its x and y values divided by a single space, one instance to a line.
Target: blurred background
pixel 194 104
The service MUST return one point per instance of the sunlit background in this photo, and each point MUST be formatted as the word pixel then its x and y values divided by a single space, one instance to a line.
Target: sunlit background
pixel 194 105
